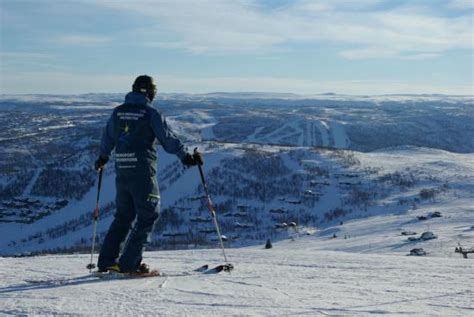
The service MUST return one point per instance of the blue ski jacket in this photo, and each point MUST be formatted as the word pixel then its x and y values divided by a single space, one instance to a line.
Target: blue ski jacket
pixel 134 129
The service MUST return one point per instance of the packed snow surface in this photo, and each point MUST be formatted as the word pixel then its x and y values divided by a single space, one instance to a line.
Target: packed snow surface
pixel 295 277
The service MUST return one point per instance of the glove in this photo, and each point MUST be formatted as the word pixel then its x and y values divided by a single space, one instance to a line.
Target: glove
pixel 192 160
pixel 100 163
pixel 198 158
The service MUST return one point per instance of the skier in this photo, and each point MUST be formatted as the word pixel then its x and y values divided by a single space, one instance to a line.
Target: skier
pixel 133 130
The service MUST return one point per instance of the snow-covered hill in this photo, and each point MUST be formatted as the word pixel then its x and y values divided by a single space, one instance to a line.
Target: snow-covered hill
pixel 48 186
pixel 257 193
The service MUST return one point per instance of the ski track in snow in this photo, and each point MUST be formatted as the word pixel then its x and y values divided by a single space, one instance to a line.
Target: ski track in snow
pixel 341 140
pixel 252 137
pixel 331 134
pixel 323 130
pixel 207 132
pixel 29 187
pixel 278 132
pixel 293 278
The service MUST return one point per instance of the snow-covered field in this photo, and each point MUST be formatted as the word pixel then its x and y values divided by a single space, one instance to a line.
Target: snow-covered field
pixel 295 277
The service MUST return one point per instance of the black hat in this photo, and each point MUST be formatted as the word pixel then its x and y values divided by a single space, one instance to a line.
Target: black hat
pixel 146 85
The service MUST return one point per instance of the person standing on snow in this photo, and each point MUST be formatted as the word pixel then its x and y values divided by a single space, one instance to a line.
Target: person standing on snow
pixel 134 129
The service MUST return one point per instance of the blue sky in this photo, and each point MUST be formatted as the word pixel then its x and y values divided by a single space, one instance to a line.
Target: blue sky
pixel 300 46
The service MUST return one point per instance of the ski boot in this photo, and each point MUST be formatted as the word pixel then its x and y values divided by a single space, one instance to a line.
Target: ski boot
pixel 114 268
pixel 143 268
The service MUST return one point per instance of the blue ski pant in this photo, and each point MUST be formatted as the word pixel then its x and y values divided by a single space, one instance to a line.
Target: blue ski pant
pixel 138 209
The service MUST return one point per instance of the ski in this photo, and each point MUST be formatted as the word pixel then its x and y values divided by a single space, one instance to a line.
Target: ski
pixel 220 268
pixel 204 270
pixel 217 269
pixel 155 273
pixel 118 275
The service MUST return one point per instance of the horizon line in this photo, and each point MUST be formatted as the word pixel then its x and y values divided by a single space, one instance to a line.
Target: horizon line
pixel 244 92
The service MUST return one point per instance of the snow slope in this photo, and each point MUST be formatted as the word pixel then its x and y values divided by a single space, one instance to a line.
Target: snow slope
pixel 294 278
pixel 393 208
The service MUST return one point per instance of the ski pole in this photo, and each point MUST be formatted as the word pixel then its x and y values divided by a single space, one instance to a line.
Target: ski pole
pixel 91 265
pixel 213 215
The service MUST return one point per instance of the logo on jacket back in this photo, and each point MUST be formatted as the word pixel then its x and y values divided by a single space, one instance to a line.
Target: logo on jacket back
pixel 125 129
pixel 124 134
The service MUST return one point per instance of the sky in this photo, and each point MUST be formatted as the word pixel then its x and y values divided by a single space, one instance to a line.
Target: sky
pixel 359 47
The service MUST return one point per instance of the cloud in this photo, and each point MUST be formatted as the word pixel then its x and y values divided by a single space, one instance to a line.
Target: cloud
pixel 461 4
pixel 369 52
pixel 12 59
pixel 381 52
pixel 207 26
pixel 24 55
pixel 167 45
pixel 229 27
pixel 81 40
pixel 60 82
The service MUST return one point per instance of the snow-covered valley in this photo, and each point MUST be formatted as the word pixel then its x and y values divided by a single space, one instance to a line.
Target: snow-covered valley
pixel 344 187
